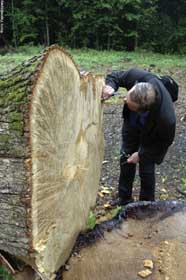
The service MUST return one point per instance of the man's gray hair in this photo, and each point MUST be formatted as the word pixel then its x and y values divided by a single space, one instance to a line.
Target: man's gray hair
pixel 144 95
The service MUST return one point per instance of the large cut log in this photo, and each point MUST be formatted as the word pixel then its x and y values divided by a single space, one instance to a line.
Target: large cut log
pixel 51 148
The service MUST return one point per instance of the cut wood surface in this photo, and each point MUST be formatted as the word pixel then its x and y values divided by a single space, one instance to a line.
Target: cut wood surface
pixel 51 150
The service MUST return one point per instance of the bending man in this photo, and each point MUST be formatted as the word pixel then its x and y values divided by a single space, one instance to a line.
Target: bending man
pixel 148 129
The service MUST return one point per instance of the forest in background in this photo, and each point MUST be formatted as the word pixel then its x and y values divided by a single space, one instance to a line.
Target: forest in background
pixel 156 25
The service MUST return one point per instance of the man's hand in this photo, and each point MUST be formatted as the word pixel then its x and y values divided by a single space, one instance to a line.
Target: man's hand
pixel 107 92
pixel 134 158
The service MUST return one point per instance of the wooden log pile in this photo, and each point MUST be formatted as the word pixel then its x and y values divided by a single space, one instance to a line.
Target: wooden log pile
pixel 51 149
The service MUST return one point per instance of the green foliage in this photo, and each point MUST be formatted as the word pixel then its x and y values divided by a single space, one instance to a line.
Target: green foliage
pixel 115 211
pixel 119 24
pixel 108 216
pixel 23 24
pixel 183 184
pixel 4 275
pixel 177 40
pixel 91 220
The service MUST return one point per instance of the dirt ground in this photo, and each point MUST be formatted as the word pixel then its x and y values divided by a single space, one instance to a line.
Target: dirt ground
pixel 169 175
pixel 149 233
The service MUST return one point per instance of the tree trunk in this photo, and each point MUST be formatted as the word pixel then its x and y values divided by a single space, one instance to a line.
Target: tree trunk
pixel 51 148
pixel 14 31
pixel 47 24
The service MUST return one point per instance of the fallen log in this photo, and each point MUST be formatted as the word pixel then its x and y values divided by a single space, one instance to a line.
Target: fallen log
pixel 51 149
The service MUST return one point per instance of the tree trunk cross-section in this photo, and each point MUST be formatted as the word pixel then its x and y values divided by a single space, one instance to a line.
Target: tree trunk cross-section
pixel 51 149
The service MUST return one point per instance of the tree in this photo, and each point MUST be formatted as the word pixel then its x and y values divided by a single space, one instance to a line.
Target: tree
pixel 102 24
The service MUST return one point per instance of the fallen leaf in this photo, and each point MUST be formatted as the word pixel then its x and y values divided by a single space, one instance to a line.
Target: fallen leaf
pixel 105 191
pixel 164 196
pixel 164 179
pixel 107 205
pixel 104 218
pixel 100 194
pixel 183 118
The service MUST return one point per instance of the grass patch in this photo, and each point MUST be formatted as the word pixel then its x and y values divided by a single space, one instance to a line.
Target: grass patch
pixel 100 61
pixel 104 61
pixel 12 59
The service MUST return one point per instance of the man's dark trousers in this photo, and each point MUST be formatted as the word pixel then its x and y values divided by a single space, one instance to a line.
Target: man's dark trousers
pixel 130 145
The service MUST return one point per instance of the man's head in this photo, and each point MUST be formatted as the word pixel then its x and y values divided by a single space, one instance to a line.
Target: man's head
pixel 140 97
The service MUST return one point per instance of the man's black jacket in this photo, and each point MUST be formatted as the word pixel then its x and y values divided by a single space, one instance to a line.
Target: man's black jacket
pixel 159 130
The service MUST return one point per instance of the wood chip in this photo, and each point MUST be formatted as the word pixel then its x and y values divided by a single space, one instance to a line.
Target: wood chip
pixel 148 264
pixel 145 273
pixel 67 267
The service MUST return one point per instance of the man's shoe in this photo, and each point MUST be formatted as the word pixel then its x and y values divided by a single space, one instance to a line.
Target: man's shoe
pixel 120 202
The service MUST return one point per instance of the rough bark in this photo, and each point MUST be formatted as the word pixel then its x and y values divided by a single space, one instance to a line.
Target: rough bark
pixel 51 148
